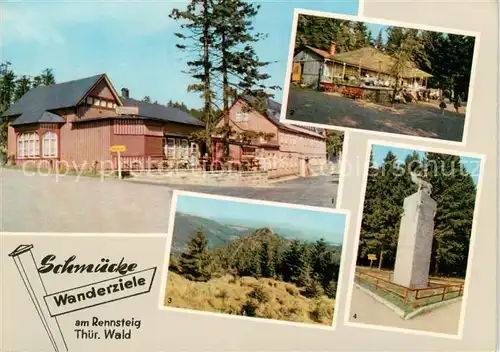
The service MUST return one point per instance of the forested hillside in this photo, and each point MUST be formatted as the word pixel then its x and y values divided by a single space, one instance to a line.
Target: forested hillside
pixel 301 273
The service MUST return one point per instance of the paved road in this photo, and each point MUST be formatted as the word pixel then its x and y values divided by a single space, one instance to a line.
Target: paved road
pixel 318 191
pixel 35 203
pixel 421 120
pixel 443 320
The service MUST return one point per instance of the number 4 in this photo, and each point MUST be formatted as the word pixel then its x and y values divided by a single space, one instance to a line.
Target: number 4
pixel 355 316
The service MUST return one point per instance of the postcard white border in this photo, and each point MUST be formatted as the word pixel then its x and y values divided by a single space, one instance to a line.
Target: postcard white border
pixel 350 282
pixel 361 18
pixel 343 166
pixel 85 234
pixel 168 247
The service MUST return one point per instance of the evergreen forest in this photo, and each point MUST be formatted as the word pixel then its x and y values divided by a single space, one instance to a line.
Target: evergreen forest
pixel 268 275
pixel 453 189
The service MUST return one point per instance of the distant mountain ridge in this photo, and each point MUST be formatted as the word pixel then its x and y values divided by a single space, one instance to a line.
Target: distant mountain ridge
pixel 217 233
pixel 285 230
pixel 222 233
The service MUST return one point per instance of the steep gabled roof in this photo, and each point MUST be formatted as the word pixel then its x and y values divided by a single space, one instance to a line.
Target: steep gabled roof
pixel 273 112
pixel 162 112
pixel 53 97
pixel 28 117
pixel 323 53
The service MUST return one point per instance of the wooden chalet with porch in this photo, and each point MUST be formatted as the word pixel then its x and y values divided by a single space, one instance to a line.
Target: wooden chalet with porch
pixel 75 123
pixel 313 66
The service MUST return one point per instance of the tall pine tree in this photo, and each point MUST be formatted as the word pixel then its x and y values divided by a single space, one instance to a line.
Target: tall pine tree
pixel 455 193
pixel 236 60
pixel 294 262
pixel 268 263
pixel 194 264
pixel 23 85
pixel 199 19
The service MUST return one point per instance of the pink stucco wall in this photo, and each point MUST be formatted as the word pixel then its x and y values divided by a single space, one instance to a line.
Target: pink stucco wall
pixel 291 144
pixel 302 143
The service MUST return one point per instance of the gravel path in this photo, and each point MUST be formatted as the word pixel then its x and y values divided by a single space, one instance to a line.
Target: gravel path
pixel 423 120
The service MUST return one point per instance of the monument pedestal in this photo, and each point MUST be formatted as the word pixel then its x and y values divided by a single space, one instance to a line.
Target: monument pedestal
pixel 416 234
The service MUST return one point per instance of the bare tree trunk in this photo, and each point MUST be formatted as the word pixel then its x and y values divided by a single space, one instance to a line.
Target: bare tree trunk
pixel 225 96
pixel 381 260
pixel 395 90
pixel 207 83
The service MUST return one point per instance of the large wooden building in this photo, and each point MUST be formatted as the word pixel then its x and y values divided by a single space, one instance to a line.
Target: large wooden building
pixel 280 148
pixel 77 122
pixel 313 65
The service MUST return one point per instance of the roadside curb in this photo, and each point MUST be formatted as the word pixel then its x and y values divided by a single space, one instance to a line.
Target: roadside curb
pixel 430 307
pixel 174 185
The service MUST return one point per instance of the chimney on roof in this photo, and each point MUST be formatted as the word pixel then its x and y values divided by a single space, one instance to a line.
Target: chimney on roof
pixel 331 51
pixel 125 93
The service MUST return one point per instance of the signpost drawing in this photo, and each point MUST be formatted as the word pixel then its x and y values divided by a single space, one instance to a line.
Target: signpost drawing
pixel 371 258
pixel 26 265
pixel 118 149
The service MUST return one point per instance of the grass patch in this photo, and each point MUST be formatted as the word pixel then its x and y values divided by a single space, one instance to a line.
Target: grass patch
pixel 248 296
pixel 395 294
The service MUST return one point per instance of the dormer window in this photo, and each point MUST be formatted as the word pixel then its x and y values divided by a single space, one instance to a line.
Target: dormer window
pixel 96 101
pixel 103 103
pixel 109 104
pixel 90 100
pixel 114 105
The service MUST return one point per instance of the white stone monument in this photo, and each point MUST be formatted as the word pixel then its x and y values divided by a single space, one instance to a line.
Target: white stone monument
pixel 416 234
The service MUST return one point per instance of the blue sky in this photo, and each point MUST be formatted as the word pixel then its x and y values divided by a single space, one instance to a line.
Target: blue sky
pixel 133 42
pixel 315 223
pixel 380 152
pixel 376 28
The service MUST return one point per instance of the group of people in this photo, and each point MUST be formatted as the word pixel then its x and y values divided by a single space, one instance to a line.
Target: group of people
pixel 457 103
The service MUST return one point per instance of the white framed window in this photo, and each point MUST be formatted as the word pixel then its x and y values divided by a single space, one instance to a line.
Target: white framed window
pixel 103 103
pixel 28 145
pixel 184 148
pixel 90 100
pixel 49 144
pixel 20 146
pixel 178 148
pixel 249 151
pixel 194 148
pixel 241 116
pixel 97 101
pixel 109 104
pixel 114 105
pixel 170 148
